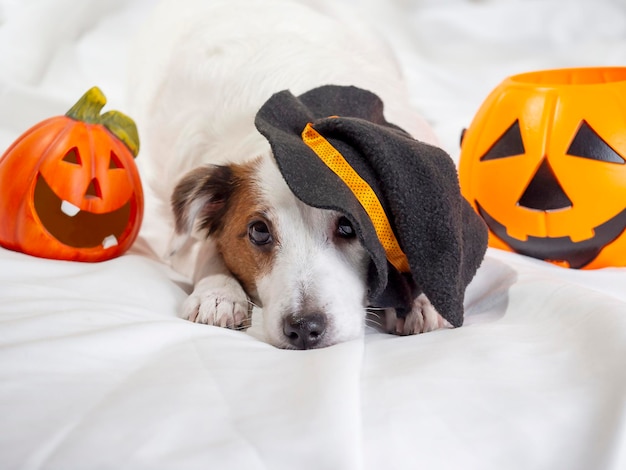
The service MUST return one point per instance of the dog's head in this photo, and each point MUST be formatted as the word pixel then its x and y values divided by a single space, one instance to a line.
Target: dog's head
pixel 336 150
pixel 304 266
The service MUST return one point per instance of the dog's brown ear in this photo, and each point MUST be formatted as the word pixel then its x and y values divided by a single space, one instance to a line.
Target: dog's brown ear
pixel 200 199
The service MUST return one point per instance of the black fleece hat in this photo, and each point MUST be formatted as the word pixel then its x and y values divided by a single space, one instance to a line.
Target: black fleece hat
pixel 336 151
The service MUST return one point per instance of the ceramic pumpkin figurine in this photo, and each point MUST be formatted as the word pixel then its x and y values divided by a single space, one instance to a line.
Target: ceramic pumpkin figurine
pixel 69 186
pixel 544 163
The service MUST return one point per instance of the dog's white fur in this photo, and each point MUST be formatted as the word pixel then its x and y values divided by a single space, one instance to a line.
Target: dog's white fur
pixel 202 70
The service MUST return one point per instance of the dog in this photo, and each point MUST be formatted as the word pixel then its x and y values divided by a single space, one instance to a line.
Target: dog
pixel 201 72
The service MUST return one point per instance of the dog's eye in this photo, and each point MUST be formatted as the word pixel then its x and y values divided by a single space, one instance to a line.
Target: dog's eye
pixel 259 233
pixel 345 228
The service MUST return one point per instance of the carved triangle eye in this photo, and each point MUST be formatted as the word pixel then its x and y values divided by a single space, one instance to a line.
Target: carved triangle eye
pixel 508 145
pixel 72 156
pixel 115 162
pixel 588 144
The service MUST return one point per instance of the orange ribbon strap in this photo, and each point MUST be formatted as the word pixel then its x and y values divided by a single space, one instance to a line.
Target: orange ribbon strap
pixel 362 191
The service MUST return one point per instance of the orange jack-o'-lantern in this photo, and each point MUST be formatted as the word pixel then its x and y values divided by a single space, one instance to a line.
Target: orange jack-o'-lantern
pixel 69 186
pixel 544 163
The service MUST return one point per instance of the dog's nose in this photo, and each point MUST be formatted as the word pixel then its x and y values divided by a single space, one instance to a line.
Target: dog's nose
pixel 305 331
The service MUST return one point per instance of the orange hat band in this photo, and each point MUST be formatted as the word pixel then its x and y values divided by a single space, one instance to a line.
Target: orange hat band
pixel 362 191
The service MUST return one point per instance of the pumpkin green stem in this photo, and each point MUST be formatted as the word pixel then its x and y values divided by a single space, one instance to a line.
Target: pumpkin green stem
pixel 87 109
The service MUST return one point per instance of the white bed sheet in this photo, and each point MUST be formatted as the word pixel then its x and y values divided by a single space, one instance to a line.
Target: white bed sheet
pixel 96 370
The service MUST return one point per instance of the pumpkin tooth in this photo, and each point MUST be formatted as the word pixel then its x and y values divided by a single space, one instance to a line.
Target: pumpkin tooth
pixel 69 209
pixel 109 241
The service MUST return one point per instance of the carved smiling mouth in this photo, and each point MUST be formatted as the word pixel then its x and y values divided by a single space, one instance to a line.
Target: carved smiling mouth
pixel 576 254
pixel 74 227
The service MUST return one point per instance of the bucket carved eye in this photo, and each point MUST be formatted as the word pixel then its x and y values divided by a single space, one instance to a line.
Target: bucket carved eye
pixel 509 144
pixel 259 233
pixel 587 143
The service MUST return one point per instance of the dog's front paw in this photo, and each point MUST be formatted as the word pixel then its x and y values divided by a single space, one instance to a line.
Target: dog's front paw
pixel 217 300
pixel 422 318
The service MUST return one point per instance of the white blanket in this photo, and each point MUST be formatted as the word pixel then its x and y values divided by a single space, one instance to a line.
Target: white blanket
pixel 96 370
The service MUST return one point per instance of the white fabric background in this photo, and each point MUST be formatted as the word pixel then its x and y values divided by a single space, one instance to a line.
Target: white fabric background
pixel 96 371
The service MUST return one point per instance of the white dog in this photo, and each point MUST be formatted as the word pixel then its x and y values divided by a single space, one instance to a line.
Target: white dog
pixel 203 69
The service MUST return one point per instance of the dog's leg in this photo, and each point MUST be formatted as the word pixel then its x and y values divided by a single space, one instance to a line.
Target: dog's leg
pixel 422 318
pixel 217 298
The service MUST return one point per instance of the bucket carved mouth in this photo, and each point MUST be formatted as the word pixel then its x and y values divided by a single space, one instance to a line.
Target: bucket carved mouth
pixel 561 249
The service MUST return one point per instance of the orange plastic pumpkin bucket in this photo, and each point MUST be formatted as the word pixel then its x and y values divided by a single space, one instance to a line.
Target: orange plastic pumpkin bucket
pixel 544 163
